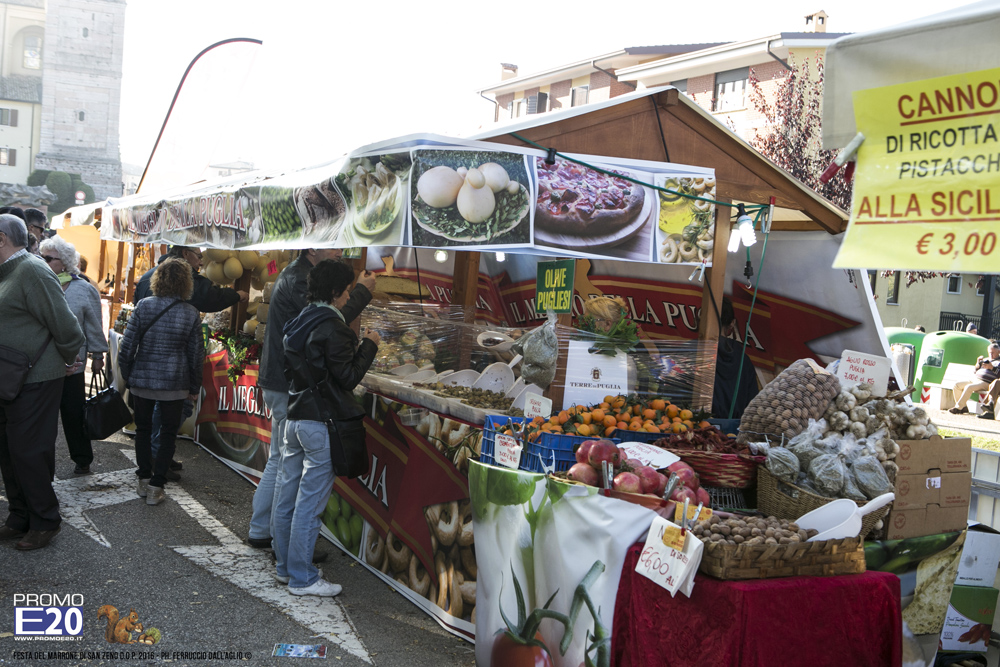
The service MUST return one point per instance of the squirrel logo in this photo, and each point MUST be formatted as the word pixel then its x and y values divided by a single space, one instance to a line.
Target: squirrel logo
pixel 120 629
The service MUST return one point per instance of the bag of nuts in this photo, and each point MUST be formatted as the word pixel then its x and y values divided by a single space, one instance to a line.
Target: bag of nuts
pixel 803 391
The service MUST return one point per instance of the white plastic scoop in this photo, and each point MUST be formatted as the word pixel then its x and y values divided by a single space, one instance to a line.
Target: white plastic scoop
pixel 840 518
pixel 496 377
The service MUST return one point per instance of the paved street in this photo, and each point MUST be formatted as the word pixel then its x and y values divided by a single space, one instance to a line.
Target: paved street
pixel 183 568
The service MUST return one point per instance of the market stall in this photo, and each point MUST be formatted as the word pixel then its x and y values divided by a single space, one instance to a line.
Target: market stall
pixel 414 201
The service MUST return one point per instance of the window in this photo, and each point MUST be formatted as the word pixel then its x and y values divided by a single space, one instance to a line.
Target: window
pixel 8 157
pixel 579 96
pixel 81 116
pixel 538 103
pixel 730 89
pixel 518 108
pixel 32 58
pixel 954 284
pixel 981 287
pixel 86 32
pixel 892 298
pixel 8 117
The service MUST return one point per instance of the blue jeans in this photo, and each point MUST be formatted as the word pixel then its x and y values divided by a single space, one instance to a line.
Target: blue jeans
pixel 265 497
pixel 155 439
pixel 306 482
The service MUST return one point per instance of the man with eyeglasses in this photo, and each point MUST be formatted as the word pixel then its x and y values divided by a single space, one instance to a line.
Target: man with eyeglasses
pixel 207 298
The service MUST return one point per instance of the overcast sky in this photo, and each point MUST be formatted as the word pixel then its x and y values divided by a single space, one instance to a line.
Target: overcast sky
pixel 332 76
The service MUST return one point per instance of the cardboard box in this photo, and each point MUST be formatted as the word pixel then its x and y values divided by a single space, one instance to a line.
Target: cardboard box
pixel 969 619
pixel 980 558
pixel 945 454
pixel 934 488
pixel 929 520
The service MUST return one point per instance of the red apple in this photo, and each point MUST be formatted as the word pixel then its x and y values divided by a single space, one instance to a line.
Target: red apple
pixel 649 478
pixel 627 482
pixel 584 473
pixel 688 477
pixel 703 497
pixel 682 492
pixel 583 450
pixel 604 450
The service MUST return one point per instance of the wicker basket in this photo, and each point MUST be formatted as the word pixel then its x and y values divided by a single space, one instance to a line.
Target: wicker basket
pixel 735 471
pixel 787 501
pixel 800 559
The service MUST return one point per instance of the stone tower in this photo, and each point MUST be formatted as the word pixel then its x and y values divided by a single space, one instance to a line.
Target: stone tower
pixel 81 91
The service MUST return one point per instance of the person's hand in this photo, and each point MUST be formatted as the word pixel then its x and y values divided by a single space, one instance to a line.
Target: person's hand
pixel 97 364
pixel 373 336
pixel 193 398
pixel 367 278
pixel 73 367
pixel 244 296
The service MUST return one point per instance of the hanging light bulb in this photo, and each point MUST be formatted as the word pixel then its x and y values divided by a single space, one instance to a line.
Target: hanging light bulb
pixel 734 240
pixel 745 225
pixel 440 256
pixel 501 256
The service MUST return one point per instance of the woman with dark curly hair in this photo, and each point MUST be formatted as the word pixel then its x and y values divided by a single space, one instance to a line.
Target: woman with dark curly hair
pixel 160 358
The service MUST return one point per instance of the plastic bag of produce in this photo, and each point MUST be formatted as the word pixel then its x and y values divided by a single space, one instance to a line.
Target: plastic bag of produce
pixel 850 448
pixel 827 473
pixel 851 489
pixel 783 464
pixel 804 445
pixel 801 392
pixel 871 476
pixel 540 348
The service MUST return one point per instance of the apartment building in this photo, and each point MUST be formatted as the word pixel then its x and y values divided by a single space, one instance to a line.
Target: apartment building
pixel 715 75
pixel 940 303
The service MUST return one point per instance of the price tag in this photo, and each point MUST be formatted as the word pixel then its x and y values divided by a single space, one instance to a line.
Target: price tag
pixel 668 566
pixel 649 455
pixel 506 450
pixel 272 267
pixel 536 405
pixel 859 368
pixel 673 537
pixel 679 512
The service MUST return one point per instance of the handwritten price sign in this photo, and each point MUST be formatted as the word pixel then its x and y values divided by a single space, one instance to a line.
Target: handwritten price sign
pixel 664 562
pixel 507 451
pixel 859 368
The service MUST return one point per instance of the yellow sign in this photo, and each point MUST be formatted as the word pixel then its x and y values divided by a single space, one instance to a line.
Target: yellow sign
pixel 673 537
pixel 927 187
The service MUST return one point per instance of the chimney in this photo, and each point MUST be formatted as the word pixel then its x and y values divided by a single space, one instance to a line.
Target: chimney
pixel 507 71
pixel 816 22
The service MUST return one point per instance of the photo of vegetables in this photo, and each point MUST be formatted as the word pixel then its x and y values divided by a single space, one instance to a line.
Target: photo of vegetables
pixel 686 229
pixel 374 188
pixel 469 198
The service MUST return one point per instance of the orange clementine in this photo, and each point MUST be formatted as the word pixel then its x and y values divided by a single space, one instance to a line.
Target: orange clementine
pixel 609 431
pixel 583 429
pixel 635 426
pixel 598 414
pixel 609 399
pixel 618 402
pixel 672 411
pixel 609 420
pixel 703 424
pixel 652 429
pixel 622 425
pixel 676 420
pixel 678 427
pixel 605 406
pixel 587 417
pixel 547 427
pixel 686 414
pixel 658 404
pixel 563 417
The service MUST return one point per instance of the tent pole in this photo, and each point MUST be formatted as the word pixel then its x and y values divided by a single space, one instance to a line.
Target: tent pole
pixel 465 292
pixel 708 324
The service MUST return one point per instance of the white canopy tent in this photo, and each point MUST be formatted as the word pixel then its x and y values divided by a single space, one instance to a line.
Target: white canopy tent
pixel 959 40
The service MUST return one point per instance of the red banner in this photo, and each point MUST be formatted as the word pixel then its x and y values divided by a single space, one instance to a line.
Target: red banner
pixel 406 474
pixel 237 409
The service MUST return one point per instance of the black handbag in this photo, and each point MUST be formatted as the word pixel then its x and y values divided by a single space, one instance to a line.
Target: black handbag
pixel 14 369
pixel 348 446
pixel 105 411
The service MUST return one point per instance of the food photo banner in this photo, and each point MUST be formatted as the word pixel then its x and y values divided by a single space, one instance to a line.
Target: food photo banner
pixel 927 188
pixel 434 192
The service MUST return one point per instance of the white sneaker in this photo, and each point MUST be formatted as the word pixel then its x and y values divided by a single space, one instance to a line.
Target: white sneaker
pixel 321 588
pixel 142 488
pixel 284 580
pixel 155 495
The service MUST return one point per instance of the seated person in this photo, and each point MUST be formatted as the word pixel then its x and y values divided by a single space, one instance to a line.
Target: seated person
pixel 987 371
pixel 989 401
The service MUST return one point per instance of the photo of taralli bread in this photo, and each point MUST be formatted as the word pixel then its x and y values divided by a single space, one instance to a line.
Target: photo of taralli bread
pixel 686 221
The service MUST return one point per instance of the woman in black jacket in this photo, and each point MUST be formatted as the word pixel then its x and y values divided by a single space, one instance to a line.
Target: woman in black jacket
pixel 323 364
pixel 160 358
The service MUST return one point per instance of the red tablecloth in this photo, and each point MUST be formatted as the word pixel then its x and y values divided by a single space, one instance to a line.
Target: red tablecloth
pixel 850 620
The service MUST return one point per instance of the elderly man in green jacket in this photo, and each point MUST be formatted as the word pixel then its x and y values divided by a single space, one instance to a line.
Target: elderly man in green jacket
pixel 36 320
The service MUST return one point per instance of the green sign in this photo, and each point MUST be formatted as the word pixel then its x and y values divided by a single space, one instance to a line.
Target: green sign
pixel 554 286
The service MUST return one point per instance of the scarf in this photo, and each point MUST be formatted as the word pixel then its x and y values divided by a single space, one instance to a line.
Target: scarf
pixel 64 278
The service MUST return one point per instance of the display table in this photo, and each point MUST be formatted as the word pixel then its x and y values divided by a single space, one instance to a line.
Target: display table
pixel 797 621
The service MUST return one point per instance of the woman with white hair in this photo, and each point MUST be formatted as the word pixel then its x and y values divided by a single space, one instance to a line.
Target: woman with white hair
pixel 85 302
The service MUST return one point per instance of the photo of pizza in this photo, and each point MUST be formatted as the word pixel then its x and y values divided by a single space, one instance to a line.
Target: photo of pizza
pixel 604 210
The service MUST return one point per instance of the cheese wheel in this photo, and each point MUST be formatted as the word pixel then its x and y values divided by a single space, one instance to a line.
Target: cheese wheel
pixel 248 258
pixel 215 272
pixel 250 327
pixel 233 268
pixel 262 312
